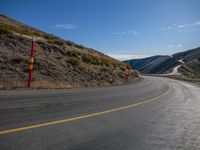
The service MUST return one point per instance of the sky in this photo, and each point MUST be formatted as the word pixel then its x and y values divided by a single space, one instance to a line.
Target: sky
pixel 123 29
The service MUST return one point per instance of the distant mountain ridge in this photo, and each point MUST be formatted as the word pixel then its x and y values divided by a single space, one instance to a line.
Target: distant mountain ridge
pixel 164 64
pixel 58 63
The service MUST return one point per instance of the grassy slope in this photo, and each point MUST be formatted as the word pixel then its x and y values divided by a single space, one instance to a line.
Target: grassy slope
pixel 191 68
pixel 58 63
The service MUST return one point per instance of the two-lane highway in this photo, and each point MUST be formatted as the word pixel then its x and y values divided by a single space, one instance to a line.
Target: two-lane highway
pixel 156 113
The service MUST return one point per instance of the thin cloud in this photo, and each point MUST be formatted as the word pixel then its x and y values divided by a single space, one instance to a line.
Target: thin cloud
pixel 65 26
pixel 163 29
pixel 175 46
pixel 170 46
pixel 133 32
pixel 122 57
pixel 179 45
pixel 195 26
pixel 197 23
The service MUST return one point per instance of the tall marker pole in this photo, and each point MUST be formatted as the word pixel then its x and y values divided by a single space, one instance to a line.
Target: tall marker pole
pixel 127 73
pixel 31 62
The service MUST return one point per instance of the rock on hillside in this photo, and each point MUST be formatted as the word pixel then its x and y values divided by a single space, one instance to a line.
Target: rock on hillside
pixel 57 64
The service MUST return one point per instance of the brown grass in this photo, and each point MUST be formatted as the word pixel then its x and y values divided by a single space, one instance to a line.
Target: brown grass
pixel 34 85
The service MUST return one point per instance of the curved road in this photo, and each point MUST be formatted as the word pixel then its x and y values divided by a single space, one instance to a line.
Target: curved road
pixel 153 114
pixel 175 70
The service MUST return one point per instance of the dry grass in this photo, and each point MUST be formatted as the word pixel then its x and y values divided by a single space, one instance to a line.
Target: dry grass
pixel 17 85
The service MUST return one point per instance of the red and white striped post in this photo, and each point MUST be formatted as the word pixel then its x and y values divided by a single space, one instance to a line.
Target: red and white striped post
pixel 127 72
pixel 31 62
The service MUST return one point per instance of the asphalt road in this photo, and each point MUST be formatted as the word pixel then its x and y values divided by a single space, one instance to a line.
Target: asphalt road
pixel 153 114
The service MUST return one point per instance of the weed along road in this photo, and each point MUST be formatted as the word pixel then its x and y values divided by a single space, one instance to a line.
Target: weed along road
pixel 153 114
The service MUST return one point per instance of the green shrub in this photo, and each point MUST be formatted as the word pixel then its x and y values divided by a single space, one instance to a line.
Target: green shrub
pixel 134 74
pixel 56 41
pixel 64 47
pixel 18 60
pixel 105 62
pixel 50 42
pixel 103 69
pixel 37 34
pixel 8 28
pixel 49 36
pixel 70 43
pixel 74 61
pixel 72 54
pixel 52 39
pixel 80 46
pixel 5 28
pixel 121 66
pixel 95 60
pixel 82 68
pixel 90 59
pixel 87 58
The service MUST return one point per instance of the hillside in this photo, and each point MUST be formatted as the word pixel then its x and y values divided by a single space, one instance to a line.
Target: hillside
pixel 57 64
pixel 153 65
pixel 149 64
pixel 165 64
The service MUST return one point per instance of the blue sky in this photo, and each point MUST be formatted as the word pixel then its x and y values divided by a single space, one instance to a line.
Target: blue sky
pixel 120 28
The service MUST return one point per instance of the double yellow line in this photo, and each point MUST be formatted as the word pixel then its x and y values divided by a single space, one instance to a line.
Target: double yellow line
pixel 83 116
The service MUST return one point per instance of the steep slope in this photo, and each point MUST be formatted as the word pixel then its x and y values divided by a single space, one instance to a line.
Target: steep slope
pixel 138 63
pixel 58 63
pixel 154 64
pixel 188 55
pixel 191 68
pixel 165 64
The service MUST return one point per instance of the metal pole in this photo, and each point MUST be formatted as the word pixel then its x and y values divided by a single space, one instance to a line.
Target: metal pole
pixel 126 78
pixel 127 72
pixel 31 62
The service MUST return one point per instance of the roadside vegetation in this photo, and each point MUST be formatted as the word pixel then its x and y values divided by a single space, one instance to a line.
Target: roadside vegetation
pixel 57 63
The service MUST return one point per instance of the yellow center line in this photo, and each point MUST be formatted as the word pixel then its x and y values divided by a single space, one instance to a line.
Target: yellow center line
pixel 83 116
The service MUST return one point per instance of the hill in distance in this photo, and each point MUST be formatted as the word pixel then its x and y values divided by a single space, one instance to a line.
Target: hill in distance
pixel 57 63
pixel 164 64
